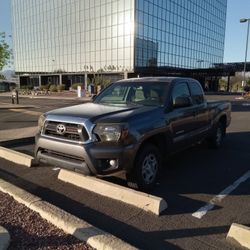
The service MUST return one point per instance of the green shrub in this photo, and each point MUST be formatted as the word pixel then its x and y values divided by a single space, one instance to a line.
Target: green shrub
pixel 247 88
pixel 24 87
pixel 60 87
pixel 30 87
pixel 45 87
pixel 75 85
pixel 53 88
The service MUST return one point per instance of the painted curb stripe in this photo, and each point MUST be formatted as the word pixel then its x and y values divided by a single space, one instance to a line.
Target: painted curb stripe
pixel 16 157
pixel 239 234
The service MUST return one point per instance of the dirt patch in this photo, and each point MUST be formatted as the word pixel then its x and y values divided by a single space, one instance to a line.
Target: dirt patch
pixel 28 230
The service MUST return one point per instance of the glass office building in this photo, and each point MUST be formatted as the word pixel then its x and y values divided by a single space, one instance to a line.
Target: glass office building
pixel 116 35
pixel 187 33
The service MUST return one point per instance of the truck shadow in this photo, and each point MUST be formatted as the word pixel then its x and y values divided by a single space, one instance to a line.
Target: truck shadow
pixel 200 170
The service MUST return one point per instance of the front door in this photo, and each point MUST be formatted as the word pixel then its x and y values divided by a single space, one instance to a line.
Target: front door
pixel 181 120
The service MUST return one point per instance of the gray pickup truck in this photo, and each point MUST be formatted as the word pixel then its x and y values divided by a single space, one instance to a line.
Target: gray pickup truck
pixel 130 126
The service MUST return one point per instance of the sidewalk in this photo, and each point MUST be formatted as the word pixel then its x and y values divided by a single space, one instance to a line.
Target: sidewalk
pixel 15 106
pixel 66 95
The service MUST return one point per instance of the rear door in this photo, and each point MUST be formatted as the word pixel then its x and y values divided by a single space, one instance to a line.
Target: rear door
pixel 201 111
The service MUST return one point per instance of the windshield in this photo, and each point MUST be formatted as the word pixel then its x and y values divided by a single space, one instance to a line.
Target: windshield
pixel 137 93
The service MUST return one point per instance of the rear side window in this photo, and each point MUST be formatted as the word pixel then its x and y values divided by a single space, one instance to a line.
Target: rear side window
pixel 196 93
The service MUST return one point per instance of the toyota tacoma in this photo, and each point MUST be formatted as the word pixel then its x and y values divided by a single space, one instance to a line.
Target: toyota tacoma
pixel 131 126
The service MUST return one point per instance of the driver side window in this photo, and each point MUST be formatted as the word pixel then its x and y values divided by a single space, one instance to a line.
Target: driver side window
pixel 180 90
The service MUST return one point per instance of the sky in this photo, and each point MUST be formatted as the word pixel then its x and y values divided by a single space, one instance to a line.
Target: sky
pixel 5 18
pixel 236 32
pixel 235 38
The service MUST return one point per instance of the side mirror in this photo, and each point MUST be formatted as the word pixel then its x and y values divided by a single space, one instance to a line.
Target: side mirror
pixel 181 102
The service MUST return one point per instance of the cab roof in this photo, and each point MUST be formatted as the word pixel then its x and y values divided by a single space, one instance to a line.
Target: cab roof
pixel 154 79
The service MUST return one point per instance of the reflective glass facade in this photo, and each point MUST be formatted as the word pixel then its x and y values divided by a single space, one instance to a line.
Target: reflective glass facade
pixel 116 35
pixel 73 35
pixel 186 33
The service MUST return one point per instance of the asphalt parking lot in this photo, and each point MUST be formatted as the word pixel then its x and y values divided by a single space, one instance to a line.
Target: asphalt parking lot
pixel 189 181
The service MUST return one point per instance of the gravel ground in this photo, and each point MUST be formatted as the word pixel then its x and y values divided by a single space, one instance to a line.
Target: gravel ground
pixel 29 231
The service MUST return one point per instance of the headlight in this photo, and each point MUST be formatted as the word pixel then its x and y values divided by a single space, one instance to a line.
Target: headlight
pixel 108 132
pixel 41 121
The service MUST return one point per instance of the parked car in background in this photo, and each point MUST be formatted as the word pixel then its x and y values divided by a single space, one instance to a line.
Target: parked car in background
pixel 6 86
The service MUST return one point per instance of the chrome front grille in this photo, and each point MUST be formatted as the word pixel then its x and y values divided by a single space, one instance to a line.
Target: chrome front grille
pixel 70 131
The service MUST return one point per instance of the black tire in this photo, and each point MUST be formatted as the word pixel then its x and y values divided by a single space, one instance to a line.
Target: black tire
pixel 218 135
pixel 146 169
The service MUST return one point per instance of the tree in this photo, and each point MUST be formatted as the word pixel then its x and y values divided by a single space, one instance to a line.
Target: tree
pixel 222 85
pixel 235 84
pixel 5 51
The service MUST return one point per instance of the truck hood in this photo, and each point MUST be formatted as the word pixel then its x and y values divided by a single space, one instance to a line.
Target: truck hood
pixel 95 112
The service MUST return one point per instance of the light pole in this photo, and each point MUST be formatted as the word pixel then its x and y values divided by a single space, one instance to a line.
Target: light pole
pixel 244 20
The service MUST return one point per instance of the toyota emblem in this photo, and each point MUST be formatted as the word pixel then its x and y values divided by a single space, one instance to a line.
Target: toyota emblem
pixel 60 129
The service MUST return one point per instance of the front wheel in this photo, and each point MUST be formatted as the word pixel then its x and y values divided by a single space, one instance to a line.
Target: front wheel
pixel 146 169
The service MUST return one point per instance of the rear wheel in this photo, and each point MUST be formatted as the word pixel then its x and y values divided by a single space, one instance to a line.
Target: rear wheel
pixel 218 135
pixel 146 169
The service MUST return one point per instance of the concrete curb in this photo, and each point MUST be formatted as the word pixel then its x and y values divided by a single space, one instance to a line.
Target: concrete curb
pixel 240 235
pixel 15 106
pixel 95 237
pixel 4 239
pixel 141 200
pixel 16 157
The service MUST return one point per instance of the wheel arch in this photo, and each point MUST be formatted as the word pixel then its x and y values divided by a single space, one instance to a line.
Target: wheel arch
pixel 158 140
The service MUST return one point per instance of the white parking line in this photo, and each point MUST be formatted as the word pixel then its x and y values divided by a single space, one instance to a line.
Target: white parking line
pixel 218 198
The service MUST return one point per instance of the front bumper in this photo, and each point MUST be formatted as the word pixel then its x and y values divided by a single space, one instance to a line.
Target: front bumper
pixel 90 159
